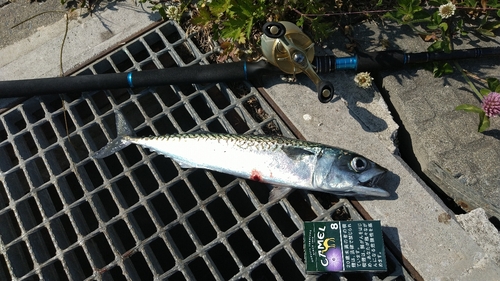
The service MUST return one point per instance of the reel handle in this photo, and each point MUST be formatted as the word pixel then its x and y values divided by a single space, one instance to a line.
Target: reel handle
pixel 274 30
pixel 325 91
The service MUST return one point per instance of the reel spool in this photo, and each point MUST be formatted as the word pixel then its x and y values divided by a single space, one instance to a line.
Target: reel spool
pixel 287 47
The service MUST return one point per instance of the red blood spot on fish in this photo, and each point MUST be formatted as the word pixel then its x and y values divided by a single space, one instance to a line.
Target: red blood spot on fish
pixel 256 176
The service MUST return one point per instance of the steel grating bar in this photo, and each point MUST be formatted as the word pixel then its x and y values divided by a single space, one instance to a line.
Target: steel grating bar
pixel 138 215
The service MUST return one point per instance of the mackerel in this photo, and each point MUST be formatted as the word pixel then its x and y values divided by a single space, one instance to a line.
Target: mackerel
pixel 274 160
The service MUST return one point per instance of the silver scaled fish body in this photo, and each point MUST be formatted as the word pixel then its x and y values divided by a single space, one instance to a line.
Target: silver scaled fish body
pixel 274 160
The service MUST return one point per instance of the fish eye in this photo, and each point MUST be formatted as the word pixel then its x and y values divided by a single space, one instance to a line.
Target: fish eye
pixel 359 164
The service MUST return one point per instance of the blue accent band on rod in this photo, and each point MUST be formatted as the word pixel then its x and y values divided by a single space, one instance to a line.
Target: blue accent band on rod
pixel 129 80
pixel 245 69
pixel 346 63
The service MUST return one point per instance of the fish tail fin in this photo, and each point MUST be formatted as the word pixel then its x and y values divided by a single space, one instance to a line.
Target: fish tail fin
pixel 123 132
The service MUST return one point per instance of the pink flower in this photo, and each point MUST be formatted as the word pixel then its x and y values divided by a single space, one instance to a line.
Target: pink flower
pixel 491 104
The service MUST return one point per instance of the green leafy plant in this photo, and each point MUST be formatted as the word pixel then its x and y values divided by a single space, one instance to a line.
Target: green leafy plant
pixel 231 19
pixel 236 24
pixel 409 12
pixel 444 21
pixel 490 106
pixel 168 9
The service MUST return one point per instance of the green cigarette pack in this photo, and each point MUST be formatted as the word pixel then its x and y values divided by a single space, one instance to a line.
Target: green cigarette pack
pixel 344 246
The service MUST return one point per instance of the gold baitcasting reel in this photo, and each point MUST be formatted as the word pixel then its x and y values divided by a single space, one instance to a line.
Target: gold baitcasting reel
pixel 285 45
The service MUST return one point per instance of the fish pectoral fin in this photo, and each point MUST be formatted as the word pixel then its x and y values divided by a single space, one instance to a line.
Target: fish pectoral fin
pixel 296 153
pixel 279 192
pixel 111 148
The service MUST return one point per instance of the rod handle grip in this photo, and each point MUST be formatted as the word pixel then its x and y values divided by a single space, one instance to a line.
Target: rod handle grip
pixel 375 61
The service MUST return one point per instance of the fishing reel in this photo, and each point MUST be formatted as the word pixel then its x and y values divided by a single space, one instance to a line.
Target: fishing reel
pixel 285 46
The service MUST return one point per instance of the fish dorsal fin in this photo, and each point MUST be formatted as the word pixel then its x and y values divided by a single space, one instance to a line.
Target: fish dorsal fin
pixel 296 153
pixel 122 127
pixel 200 131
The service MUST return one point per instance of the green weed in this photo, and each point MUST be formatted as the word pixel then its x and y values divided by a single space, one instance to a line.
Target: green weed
pixel 237 24
pixel 441 22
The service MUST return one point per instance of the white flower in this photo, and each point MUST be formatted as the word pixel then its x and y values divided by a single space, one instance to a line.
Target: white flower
pixel 205 3
pixel 363 80
pixel 173 13
pixel 447 10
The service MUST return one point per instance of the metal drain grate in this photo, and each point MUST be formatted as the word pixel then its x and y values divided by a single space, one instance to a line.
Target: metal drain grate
pixel 136 215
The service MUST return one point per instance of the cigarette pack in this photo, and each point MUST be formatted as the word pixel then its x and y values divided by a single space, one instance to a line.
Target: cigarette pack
pixel 344 246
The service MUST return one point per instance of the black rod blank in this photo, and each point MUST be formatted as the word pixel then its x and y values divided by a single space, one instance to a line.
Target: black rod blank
pixel 375 61
pixel 236 71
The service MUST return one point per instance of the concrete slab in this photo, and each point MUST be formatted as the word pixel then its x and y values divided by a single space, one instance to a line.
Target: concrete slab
pixel 450 151
pixel 476 223
pixel 87 37
pixel 13 13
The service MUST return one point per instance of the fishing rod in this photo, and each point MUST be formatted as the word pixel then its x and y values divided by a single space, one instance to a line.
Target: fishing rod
pixel 376 61
pixel 284 46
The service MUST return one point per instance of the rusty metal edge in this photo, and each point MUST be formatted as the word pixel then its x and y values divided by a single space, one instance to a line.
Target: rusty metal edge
pixel 281 114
